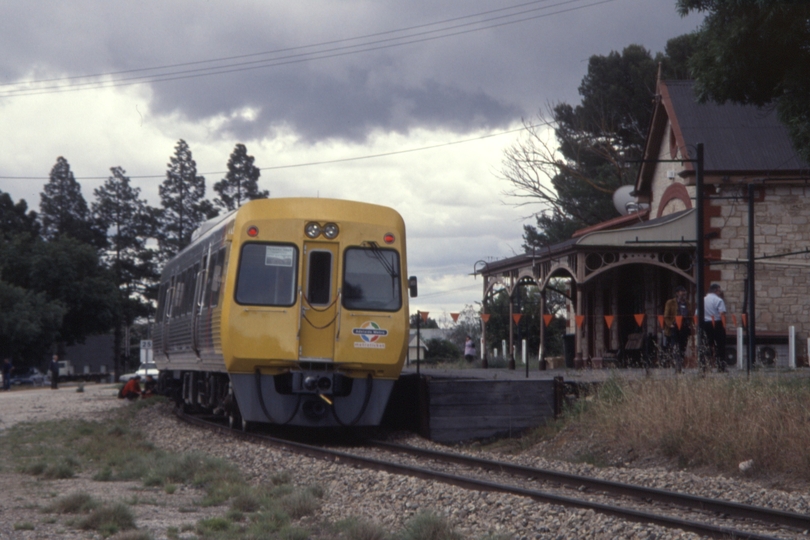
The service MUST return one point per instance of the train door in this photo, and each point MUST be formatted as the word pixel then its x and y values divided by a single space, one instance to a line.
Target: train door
pixel 319 303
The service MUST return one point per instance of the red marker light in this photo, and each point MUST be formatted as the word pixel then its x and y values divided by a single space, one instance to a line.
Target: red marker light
pixel 253 231
pixel 389 238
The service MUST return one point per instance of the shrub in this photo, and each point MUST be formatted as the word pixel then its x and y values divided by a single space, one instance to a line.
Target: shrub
pixel 429 526
pixel 441 349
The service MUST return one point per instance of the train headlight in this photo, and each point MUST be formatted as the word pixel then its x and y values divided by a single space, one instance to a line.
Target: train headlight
pixel 330 230
pixel 313 230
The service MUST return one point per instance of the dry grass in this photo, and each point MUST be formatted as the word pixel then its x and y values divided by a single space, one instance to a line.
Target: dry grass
pixel 715 422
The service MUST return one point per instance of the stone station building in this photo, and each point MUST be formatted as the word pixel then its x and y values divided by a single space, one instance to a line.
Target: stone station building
pixel 621 272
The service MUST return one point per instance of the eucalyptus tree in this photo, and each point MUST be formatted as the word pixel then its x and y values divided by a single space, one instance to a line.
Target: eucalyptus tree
pixel 241 183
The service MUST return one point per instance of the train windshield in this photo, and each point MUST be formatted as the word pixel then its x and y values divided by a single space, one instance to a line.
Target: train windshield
pixel 371 280
pixel 267 275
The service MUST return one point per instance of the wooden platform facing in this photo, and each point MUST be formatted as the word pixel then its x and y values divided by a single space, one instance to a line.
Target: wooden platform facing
pixel 454 406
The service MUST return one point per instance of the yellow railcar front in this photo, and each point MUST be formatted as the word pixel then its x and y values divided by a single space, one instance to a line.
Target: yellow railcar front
pixel 314 314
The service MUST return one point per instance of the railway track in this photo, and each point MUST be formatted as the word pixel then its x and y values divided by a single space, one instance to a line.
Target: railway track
pixel 640 504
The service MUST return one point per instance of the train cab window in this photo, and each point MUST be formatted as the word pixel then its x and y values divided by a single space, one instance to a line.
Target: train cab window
pixel 267 275
pixel 319 280
pixel 371 279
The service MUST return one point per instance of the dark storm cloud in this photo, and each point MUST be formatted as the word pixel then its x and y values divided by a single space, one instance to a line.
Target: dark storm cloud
pixel 321 106
pixel 484 79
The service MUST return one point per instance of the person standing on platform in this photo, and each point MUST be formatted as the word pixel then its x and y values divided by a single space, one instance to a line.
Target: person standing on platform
pixel 676 336
pixel 714 310
pixel 54 367
pixel 469 349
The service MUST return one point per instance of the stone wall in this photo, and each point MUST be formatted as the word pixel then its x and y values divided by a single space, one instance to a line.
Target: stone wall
pixel 781 215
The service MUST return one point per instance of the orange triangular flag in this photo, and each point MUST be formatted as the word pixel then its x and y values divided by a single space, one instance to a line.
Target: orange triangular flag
pixel 745 320
pixel 734 319
pixel 455 317
pixel 723 319
pixel 424 315
pixel 609 320
pixel 516 317
pixel 580 319
pixel 640 318
pixel 712 321
pixel 547 318
pixel 695 319
pixel 679 321
pixel 661 320
pixel 485 317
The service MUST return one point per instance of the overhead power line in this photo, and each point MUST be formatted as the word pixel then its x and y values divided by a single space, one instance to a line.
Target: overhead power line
pixel 325 50
pixel 298 165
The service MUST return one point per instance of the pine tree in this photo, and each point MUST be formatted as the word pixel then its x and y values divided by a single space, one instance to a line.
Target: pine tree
pixel 241 182
pixel 182 199
pixel 129 222
pixel 63 210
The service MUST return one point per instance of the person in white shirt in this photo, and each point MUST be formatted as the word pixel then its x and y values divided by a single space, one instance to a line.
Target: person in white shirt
pixel 714 310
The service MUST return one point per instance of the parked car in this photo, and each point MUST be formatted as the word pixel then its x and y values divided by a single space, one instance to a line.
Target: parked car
pixel 27 376
pixel 143 370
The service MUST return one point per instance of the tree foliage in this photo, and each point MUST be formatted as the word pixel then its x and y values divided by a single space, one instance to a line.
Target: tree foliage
pixel 756 52
pixel 574 174
pixel 128 221
pixel 527 302
pixel 241 183
pixel 182 197
pixel 430 323
pixel 63 210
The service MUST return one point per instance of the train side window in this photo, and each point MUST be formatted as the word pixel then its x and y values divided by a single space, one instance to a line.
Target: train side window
pixel 161 307
pixel 371 279
pixel 267 275
pixel 170 295
pixel 319 280
pixel 191 288
pixel 216 276
pixel 179 295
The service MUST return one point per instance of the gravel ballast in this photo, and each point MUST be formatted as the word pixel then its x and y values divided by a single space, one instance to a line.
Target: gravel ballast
pixel 387 499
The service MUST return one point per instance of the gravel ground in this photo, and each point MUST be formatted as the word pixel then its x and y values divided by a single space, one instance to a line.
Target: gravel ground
pixel 387 499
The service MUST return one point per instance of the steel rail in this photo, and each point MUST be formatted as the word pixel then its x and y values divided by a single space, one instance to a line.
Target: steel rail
pixel 759 513
pixel 637 516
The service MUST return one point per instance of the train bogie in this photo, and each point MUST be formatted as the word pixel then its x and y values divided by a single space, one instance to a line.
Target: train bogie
pixel 299 304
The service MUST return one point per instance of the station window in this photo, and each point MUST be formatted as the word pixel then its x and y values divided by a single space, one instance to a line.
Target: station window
pixel 371 279
pixel 267 275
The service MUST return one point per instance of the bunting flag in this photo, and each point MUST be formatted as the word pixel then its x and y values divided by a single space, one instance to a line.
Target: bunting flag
pixel 744 320
pixel 547 318
pixel 516 317
pixel 695 319
pixel 485 317
pixel 424 315
pixel 640 319
pixel 734 319
pixel 679 321
pixel 580 319
pixel 455 317
pixel 609 320
pixel 723 319
pixel 661 321
pixel 712 321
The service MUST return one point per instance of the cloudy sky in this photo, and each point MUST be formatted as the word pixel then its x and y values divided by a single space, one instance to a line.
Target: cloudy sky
pixel 406 104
